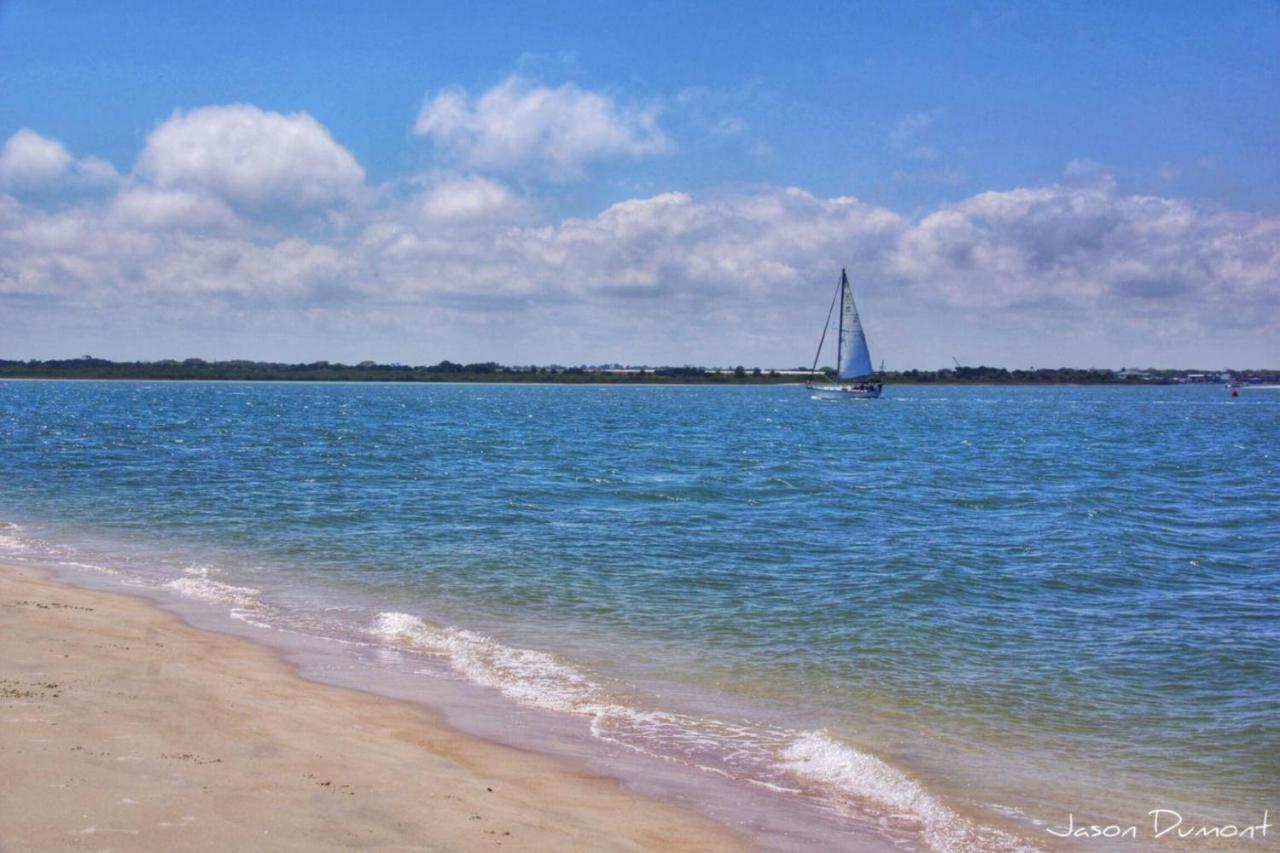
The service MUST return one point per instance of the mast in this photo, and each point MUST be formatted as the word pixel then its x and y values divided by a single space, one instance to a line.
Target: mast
pixel 844 288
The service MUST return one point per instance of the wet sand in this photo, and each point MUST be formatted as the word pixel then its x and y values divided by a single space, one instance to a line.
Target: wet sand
pixel 123 728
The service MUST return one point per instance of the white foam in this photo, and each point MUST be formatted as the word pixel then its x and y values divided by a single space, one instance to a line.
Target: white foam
pixel 10 540
pixel 540 680
pixel 784 760
pixel 14 545
pixel 529 677
pixel 92 567
pixel 216 592
pixel 815 756
pixel 248 615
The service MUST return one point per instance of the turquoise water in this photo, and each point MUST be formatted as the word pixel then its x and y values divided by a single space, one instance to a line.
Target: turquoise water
pixel 969 609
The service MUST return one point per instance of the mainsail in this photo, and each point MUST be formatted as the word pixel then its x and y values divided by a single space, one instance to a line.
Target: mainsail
pixel 854 357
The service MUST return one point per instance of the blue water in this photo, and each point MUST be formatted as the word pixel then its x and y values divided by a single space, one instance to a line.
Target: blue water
pixel 979 607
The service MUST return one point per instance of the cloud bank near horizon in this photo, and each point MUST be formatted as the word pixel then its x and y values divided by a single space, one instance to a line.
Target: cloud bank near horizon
pixel 235 220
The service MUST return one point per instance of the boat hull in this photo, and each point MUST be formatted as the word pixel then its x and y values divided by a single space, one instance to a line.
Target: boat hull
pixel 844 392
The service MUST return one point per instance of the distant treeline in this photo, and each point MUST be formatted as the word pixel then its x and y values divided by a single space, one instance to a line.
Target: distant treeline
pixel 89 367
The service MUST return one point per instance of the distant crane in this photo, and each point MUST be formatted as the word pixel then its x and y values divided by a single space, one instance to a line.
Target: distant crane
pixel 957 361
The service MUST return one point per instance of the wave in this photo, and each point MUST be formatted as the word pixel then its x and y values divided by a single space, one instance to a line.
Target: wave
pixel 529 677
pixel 12 543
pixel 807 763
pixel 15 545
pixel 199 585
pixel 816 757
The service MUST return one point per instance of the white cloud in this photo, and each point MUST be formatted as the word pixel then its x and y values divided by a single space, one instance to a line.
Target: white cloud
pixel 470 199
pixel 466 262
pixel 1050 248
pixel 555 132
pixel 1075 256
pixel 151 208
pixel 250 156
pixel 29 160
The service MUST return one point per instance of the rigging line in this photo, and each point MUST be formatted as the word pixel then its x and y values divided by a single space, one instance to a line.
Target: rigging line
pixel 825 326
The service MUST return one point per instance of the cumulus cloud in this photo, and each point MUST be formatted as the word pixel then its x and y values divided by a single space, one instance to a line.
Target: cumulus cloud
pixel 149 208
pixel 250 156
pixel 470 199
pixel 555 132
pixel 1049 249
pixel 29 160
pixel 1057 249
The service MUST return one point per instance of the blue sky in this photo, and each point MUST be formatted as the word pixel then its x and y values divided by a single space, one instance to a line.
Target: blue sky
pixel 1028 178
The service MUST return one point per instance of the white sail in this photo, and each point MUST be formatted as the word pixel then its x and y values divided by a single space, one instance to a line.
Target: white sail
pixel 855 358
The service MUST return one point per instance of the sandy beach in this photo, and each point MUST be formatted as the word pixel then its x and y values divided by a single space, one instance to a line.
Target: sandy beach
pixel 125 729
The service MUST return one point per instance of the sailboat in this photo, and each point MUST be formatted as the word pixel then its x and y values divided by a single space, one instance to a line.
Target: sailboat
pixel 853 359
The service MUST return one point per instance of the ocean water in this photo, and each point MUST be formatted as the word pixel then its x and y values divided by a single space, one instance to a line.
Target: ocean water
pixel 950 617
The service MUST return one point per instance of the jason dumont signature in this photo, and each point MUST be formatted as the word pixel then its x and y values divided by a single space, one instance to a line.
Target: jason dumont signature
pixel 1165 823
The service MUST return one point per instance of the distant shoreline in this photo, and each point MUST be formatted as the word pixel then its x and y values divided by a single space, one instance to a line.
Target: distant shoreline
pixel 583 383
pixel 89 368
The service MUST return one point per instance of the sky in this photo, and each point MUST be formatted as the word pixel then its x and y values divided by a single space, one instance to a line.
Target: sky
pixel 1015 184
